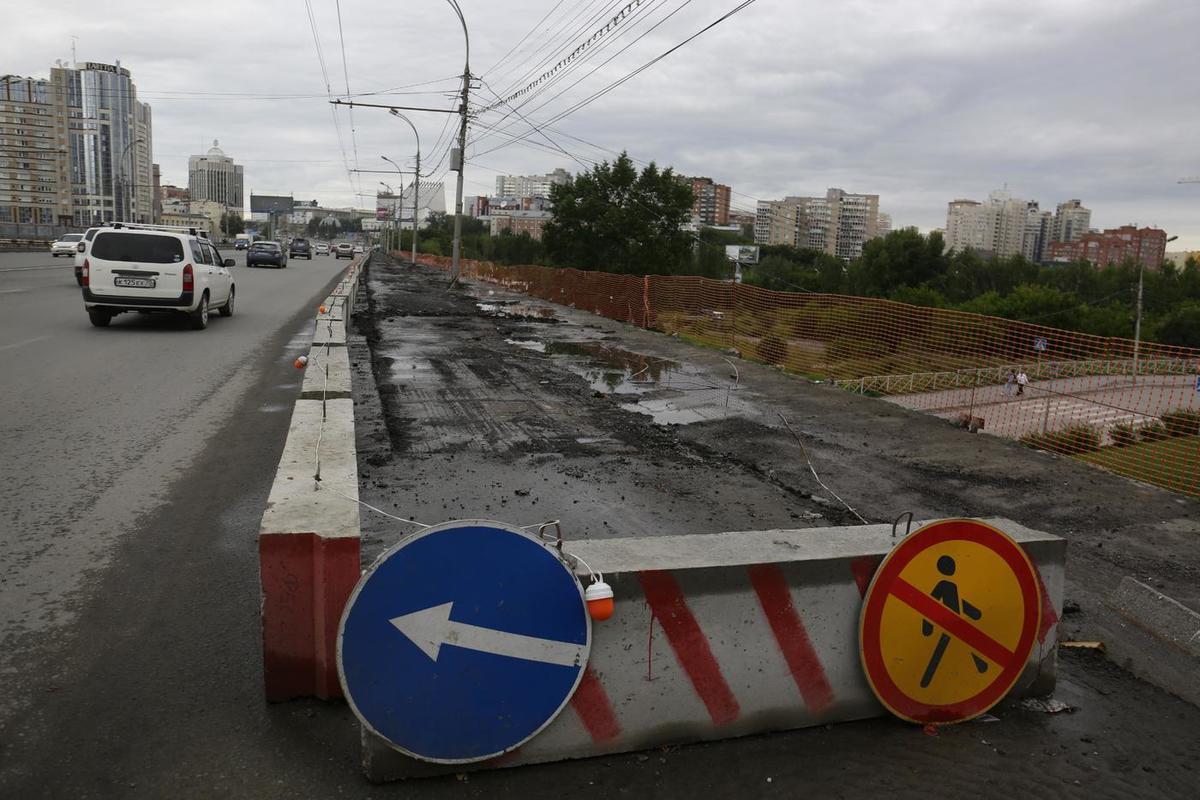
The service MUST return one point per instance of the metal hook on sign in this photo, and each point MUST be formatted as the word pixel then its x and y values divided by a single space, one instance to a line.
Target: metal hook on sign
pixel 558 537
pixel 907 527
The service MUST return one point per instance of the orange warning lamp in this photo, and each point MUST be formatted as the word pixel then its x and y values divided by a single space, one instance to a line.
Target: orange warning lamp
pixel 301 362
pixel 322 309
pixel 599 597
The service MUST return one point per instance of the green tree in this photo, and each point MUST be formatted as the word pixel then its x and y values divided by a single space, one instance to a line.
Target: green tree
pixel 232 223
pixel 902 258
pixel 611 218
pixel 1181 326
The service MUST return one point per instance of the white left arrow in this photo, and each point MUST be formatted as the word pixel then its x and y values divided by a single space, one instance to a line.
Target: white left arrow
pixel 432 627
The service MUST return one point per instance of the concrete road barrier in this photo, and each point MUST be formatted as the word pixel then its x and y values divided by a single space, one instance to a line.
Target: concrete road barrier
pixel 1161 641
pixel 730 634
pixel 308 544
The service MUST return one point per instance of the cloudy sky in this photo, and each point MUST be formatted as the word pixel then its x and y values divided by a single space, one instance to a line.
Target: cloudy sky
pixel 920 101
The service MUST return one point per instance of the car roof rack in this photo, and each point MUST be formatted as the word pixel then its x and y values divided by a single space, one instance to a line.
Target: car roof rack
pixel 142 226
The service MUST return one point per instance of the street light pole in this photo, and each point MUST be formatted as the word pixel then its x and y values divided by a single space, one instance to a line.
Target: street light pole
pixel 128 195
pixel 416 183
pixel 1137 325
pixel 462 148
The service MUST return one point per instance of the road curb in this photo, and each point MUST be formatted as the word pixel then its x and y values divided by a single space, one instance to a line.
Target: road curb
pixel 308 542
pixel 1162 638
pixel 730 634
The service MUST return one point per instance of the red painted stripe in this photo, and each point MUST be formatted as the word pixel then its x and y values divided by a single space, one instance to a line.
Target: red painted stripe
pixel 591 703
pixel 690 645
pixel 1049 615
pixel 776 600
pixel 952 623
pixel 863 568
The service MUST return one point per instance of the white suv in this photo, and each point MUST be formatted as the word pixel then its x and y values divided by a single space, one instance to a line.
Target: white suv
pixel 155 268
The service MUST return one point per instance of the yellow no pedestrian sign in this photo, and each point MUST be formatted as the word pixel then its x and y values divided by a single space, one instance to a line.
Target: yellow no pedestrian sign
pixel 949 621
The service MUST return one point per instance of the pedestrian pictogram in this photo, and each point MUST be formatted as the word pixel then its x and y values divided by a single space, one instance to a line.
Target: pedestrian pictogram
pixel 949 621
pixel 463 641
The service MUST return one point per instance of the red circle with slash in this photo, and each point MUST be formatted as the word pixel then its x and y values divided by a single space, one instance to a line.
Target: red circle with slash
pixel 889 585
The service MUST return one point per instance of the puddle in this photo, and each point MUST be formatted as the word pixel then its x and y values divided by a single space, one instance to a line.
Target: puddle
pixel 518 311
pixel 528 344
pixel 669 392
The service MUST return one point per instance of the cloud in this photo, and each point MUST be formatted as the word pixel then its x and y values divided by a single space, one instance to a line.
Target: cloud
pixel 921 101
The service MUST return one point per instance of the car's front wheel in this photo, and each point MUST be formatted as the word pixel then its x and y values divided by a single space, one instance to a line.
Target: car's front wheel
pixel 199 317
pixel 99 317
pixel 227 309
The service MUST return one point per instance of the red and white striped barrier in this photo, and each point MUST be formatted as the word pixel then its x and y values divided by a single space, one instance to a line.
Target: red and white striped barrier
pixel 308 544
pixel 730 634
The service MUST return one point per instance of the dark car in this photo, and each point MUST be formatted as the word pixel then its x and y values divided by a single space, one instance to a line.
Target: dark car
pixel 300 247
pixel 266 253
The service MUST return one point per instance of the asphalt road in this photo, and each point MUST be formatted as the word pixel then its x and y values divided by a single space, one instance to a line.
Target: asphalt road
pixel 137 460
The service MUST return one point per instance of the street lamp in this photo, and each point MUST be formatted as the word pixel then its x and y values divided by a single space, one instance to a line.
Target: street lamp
pixel 416 182
pixel 392 193
pixel 1137 325
pixel 416 194
pixel 127 191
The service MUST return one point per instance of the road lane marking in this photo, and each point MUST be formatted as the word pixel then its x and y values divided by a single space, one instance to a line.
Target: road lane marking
pixel 23 343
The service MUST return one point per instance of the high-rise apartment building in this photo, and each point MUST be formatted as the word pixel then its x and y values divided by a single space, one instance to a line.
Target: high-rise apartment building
pixel 1071 220
pixel 34 160
pixel 838 223
pixel 530 185
pixel 711 203
pixel 213 176
pixel 996 227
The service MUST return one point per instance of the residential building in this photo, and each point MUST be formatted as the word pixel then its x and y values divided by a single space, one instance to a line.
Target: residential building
pixel 775 221
pixel 1071 221
pixel 838 223
pixel 1039 230
pixel 528 185
pixel 35 186
pixel 993 228
pixel 530 222
pixel 169 192
pixel 214 176
pixel 885 224
pixel 711 201
pixel 1113 246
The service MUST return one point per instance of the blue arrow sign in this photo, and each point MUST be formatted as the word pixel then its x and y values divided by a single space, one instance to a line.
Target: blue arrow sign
pixel 463 641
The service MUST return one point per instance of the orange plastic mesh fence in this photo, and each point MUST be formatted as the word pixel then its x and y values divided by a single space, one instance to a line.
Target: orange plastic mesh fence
pixel 1134 410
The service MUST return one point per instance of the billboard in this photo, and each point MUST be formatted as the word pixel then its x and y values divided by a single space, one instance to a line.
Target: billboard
pixel 382 212
pixel 741 253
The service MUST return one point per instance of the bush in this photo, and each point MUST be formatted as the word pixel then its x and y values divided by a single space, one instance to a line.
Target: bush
pixel 1076 439
pixel 1123 434
pixel 1182 422
pixel 772 350
pixel 1153 432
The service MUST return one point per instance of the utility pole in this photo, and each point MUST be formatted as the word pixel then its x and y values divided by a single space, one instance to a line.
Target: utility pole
pixel 462 148
pixel 1137 325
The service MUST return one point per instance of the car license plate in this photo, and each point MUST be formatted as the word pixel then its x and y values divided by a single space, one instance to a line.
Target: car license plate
pixel 135 283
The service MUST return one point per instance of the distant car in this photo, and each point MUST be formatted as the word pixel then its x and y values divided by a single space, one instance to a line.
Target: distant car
pixel 300 247
pixel 240 244
pixel 266 253
pixel 153 268
pixel 343 250
pixel 322 249
pixel 358 248
pixel 65 246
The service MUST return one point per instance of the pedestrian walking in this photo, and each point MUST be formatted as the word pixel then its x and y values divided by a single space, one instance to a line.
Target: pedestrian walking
pixel 1009 383
pixel 1022 381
